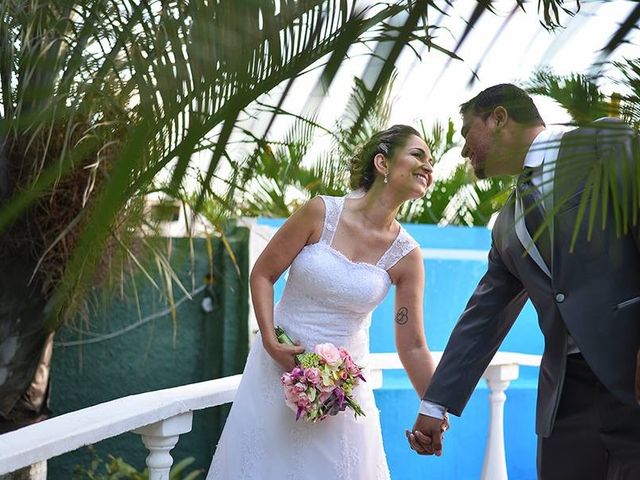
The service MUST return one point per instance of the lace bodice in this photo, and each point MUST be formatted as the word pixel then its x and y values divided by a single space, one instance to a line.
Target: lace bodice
pixel 329 298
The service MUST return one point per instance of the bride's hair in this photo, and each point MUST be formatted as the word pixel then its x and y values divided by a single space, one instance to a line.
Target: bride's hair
pixel 386 142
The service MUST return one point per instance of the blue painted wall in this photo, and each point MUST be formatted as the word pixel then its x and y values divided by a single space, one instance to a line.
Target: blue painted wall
pixel 449 283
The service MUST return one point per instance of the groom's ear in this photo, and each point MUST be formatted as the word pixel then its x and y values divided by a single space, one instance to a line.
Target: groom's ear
pixel 381 163
pixel 501 116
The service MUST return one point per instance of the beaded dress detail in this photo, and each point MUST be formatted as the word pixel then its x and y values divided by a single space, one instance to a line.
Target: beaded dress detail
pixel 327 298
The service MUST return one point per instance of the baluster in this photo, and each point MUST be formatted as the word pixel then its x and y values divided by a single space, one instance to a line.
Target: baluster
pixel 498 378
pixel 160 438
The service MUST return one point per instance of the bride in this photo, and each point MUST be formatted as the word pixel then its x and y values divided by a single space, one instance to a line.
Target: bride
pixel 343 254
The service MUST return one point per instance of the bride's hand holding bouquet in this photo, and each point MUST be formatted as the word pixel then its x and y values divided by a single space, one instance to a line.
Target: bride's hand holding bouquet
pixel 321 383
pixel 283 353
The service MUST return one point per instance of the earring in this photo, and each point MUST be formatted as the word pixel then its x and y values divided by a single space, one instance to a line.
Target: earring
pixel 386 178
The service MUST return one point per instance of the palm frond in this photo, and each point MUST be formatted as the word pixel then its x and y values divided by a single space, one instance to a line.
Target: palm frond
pixel 577 93
pixel 628 103
pixel 619 37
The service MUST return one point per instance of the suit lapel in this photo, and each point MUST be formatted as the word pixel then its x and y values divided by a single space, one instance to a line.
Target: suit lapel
pixel 525 238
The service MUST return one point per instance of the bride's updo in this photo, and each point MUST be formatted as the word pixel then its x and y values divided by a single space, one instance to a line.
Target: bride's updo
pixel 386 142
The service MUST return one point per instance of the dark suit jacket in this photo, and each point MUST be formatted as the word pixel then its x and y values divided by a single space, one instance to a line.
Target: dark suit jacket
pixel 594 292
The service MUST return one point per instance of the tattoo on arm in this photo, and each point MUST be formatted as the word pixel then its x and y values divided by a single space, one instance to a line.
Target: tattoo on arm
pixel 402 316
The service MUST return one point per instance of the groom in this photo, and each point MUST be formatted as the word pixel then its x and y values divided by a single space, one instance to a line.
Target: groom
pixel 585 289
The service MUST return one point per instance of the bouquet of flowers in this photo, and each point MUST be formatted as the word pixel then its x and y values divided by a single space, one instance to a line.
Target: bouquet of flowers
pixel 322 382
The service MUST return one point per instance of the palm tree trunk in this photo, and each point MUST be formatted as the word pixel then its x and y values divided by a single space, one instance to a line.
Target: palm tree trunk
pixel 25 355
pixel 25 347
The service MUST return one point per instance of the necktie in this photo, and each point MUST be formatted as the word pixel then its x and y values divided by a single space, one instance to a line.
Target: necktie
pixel 534 213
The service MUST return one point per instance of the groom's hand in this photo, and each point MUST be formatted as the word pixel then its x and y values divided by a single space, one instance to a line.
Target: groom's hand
pixel 426 436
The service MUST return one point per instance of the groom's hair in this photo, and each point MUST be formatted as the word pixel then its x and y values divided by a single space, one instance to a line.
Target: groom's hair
pixel 515 100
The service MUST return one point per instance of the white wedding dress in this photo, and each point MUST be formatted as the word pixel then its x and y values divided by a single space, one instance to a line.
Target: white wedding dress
pixel 327 298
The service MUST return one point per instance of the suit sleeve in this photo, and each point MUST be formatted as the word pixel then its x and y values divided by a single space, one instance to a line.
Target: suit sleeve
pixel 489 315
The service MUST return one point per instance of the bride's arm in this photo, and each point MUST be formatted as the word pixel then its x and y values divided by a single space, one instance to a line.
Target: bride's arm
pixel 408 275
pixel 304 226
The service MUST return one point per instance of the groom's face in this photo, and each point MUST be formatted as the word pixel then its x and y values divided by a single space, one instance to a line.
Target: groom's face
pixel 478 134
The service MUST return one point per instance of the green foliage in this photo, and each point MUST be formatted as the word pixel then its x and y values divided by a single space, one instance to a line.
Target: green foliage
pixel 577 93
pixel 100 96
pixel 460 199
pixel 115 468
pixel 608 186
pixel 278 176
pixel 630 98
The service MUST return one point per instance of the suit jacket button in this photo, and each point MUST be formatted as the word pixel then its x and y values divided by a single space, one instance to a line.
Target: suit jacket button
pixel 559 297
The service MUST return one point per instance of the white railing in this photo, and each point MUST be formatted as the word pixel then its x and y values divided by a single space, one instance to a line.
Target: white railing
pixel 160 417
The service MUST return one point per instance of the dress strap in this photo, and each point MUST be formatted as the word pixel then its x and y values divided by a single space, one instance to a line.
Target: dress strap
pixel 400 247
pixel 332 210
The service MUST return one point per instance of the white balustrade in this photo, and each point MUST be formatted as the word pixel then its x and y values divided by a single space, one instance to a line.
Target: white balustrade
pixel 90 425
pixel 504 368
pixel 160 417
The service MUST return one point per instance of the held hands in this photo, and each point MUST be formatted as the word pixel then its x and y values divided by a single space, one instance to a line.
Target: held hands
pixel 427 434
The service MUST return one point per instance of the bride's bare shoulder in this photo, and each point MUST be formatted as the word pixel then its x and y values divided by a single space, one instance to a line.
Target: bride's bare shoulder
pixel 313 212
pixel 315 207
pixel 307 221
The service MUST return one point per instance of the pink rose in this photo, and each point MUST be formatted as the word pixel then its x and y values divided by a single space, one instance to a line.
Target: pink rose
pixel 351 367
pixel 299 387
pixel 329 353
pixel 313 375
pixel 303 400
